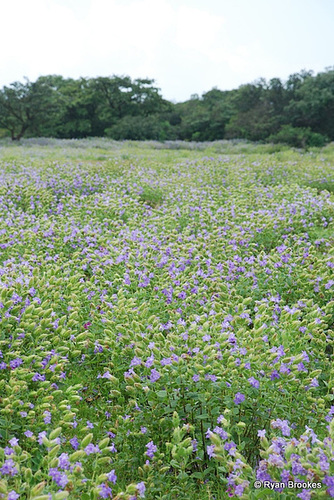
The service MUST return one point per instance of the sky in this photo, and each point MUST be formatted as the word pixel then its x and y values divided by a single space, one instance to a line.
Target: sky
pixel 187 46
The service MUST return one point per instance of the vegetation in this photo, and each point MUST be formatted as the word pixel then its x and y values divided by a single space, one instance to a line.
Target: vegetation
pixel 298 112
pixel 166 320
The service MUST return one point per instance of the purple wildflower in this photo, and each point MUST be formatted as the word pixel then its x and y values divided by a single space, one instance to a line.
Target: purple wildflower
pixel 151 449
pixel 210 450
pixel 239 398
pixel 12 495
pixel 105 491
pixel 74 443
pixel 253 382
pixel 9 468
pixel 47 417
pixel 141 489
pixel 155 375
pixel 59 478
pixel 111 476
pixel 64 462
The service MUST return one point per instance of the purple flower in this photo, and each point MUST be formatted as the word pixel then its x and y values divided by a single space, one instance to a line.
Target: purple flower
pixel 90 425
pixel 9 468
pixel 111 476
pixel 274 374
pixel 210 450
pixel 285 475
pixel 305 495
pixel 239 490
pixel 155 375
pixel 195 378
pixel 47 417
pixel 59 478
pixel 15 363
pixel 113 448
pixel 231 448
pixel 253 382
pixel 239 398
pixel 12 495
pixel 329 481
pixel 221 433
pixel 296 467
pixel 64 462
pixel 141 489
pixel 261 433
pixel 74 443
pixel 275 459
pixel 151 449
pixel 14 442
pixel 166 361
pixel 105 491
pixel 135 361
pixel 283 425
pixel 28 434
pixel 90 448
pixel 150 360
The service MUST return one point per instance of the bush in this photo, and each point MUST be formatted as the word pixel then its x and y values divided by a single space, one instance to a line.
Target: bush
pixel 138 128
pixel 298 137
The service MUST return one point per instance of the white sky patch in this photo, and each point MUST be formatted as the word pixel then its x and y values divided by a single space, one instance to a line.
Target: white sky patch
pixel 187 46
pixel 197 30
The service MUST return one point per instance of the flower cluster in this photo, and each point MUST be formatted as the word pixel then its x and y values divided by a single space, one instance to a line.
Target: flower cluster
pixel 166 320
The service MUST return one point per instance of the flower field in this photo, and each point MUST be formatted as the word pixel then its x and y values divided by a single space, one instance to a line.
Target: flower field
pixel 166 321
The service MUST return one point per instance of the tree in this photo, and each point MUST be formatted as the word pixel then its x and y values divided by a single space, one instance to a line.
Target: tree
pixel 26 107
pixel 313 104
pixel 118 97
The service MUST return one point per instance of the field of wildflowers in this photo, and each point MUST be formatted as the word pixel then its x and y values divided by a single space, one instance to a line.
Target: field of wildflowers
pixel 166 321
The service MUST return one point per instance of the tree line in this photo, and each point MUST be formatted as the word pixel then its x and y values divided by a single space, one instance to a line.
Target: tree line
pixel 298 112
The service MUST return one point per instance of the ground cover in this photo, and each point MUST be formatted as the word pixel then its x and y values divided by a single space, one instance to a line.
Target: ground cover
pixel 166 320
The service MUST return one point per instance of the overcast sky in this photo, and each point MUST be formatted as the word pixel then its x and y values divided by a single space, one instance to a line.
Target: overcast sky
pixel 187 46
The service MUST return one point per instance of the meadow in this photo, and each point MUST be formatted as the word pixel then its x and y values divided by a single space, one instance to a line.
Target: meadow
pixel 166 321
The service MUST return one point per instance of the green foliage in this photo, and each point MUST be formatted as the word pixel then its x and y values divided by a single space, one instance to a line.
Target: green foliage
pixel 140 128
pixel 166 319
pixel 298 112
pixel 298 137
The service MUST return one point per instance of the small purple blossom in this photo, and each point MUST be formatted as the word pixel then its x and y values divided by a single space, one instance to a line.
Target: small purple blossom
pixel 141 489
pixel 47 417
pixel 239 398
pixel 90 448
pixel 155 375
pixel 151 449
pixel 253 382
pixel 12 495
pixel 105 491
pixel 58 477
pixel 210 450
pixel 74 443
pixel 111 476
